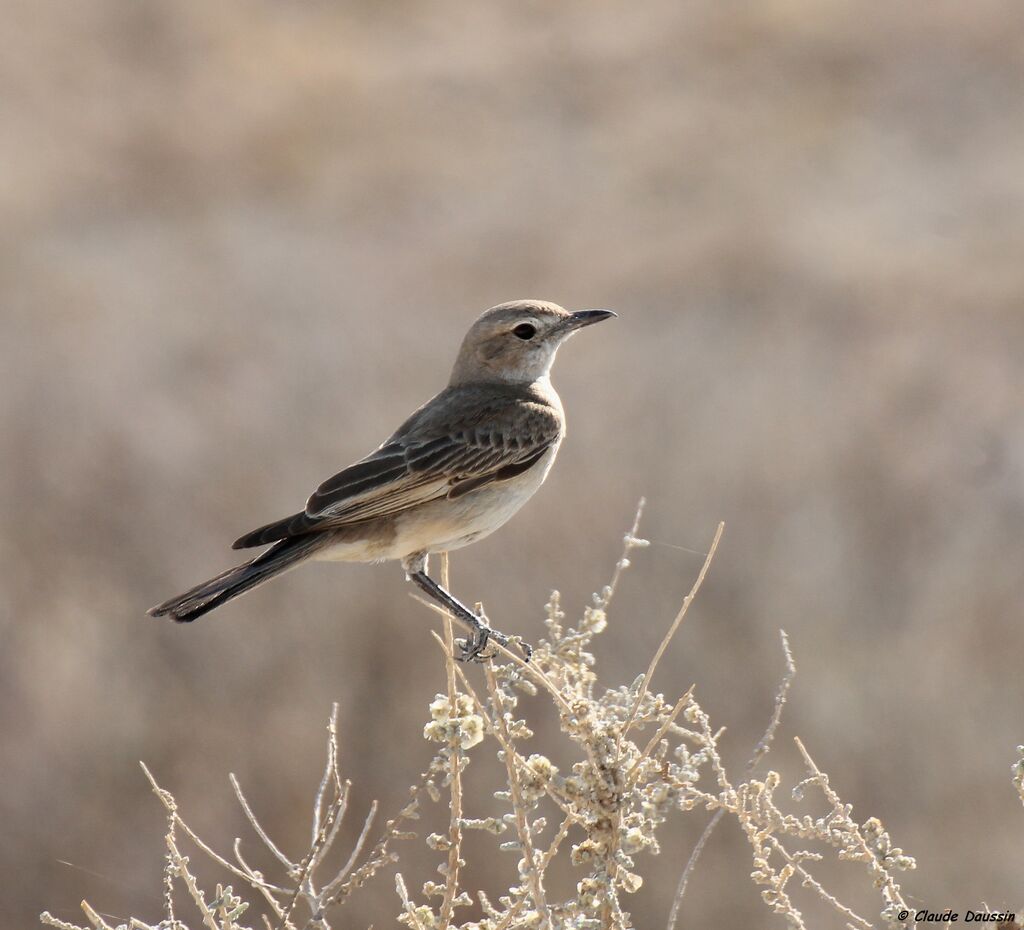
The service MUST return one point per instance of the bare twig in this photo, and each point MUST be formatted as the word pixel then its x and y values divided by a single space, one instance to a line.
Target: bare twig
pixel 168 802
pixel 331 776
pixel 882 876
pixel 181 866
pixel 781 693
pixel 290 866
pixel 455 751
pixel 662 730
pixel 672 630
pixel 47 918
pixel 403 894
pixel 631 541
pixel 691 864
pixel 811 882
pixel 518 804
pixel 760 751
pixel 255 879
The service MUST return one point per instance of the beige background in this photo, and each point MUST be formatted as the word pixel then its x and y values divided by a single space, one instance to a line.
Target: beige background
pixel 240 241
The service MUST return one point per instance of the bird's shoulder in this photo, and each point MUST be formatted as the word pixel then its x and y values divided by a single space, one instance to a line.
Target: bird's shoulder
pixel 532 410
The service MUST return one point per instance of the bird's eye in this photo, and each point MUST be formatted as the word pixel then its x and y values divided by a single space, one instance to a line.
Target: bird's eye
pixel 525 331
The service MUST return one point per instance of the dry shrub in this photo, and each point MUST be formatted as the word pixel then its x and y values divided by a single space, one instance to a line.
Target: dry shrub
pixel 641 760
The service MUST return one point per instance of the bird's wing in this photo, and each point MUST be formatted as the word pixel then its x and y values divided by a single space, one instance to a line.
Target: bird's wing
pixel 440 455
pixel 455 444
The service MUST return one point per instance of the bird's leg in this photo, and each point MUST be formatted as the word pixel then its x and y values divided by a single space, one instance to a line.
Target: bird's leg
pixel 473 647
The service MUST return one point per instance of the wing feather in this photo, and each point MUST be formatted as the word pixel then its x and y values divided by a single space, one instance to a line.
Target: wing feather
pixel 426 461
pixel 443 450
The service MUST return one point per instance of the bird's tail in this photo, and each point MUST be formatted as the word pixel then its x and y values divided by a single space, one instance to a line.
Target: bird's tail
pixel 235 581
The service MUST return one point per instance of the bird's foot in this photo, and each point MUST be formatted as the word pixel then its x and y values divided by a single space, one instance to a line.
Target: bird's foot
pixel 471 649
pixel 473 646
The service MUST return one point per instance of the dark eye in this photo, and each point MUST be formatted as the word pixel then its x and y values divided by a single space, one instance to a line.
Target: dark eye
pixel 525 330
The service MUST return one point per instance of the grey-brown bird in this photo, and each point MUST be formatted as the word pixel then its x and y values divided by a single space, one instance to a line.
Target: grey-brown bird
pixel 454 472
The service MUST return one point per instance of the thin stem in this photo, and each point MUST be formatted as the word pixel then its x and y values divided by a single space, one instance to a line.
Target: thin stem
pixel 760 751
pixel 354 857
pixel 620 566
pixel 168 802
pixel 662 730
pixel 518 804
pixel 260 832
pixel 672 629
pixel 451 878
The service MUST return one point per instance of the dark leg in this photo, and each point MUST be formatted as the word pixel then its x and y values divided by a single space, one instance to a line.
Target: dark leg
pixel 481 632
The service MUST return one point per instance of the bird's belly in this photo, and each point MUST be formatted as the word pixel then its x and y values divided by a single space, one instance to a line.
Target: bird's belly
pixel 449 524
pixel 439 525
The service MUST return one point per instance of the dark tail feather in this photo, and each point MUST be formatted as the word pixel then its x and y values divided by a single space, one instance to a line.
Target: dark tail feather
pixel 295 525
pixel 210 594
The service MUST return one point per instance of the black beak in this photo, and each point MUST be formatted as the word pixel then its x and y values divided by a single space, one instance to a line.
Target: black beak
pixel 583 318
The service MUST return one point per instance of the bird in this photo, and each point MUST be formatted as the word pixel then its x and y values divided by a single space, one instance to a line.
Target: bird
pixel 456 470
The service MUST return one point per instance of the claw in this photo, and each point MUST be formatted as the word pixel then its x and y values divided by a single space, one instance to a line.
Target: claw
pixel 473 653
pixel 472 648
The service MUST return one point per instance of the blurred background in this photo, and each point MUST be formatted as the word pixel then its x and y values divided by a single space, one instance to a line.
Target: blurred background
pixel 241 241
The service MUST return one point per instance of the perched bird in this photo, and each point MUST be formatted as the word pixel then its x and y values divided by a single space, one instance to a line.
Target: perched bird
pixel 454 472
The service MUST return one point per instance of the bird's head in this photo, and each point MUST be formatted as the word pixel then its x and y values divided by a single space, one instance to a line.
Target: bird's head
pixel 516 342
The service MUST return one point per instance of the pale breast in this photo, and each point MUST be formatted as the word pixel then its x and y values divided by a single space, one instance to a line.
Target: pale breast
pixel 452 523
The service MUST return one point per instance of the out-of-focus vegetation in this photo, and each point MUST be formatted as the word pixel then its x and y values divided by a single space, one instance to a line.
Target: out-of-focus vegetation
pixel 241 242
